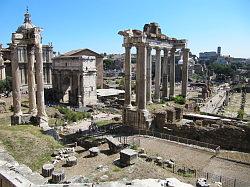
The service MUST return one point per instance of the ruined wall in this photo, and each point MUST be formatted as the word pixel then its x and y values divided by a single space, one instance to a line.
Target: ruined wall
pixel 227 136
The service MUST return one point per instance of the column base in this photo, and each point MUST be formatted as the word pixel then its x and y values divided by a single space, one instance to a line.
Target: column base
pixel 16 120
pixel 157 100
pixel 149 102
pixel 136 118
pixel 23 119
pixel 42 121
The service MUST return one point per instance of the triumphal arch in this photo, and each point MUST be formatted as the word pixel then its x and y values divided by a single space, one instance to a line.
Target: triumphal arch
pixel 28 36
pixel 145 41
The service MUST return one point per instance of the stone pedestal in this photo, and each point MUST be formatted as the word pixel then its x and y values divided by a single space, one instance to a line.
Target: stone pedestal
pixel 71 161
pixel 16 120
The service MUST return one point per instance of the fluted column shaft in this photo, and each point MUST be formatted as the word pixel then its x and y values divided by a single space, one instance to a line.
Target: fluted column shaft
pixel 40 84
pixel 185 72
pixel 172 73
pixel 157 75
pixel 137 76
pixel 149 75
pixel 165 75
pixel 16 82
pixel 142 60
pixel 128 93
pixel 31 81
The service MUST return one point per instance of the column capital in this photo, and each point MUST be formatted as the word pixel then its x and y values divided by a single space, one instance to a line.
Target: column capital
pixel 149 48
pixel 141 44
pixel 127 45
pixel 186 49
pixel 173 49
pixel 157 48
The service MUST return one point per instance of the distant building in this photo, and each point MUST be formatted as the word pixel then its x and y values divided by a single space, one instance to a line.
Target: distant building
pixel 99 62
pixel 74 78
pixel 23 61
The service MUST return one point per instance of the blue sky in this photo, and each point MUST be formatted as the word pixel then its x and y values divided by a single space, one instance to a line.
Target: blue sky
pixel 72 24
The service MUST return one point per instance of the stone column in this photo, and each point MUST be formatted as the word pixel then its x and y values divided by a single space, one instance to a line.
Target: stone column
pixel 149 76
pixel 165 75
pixel 79 91
pixel 31 81
pixel 172 73
pixel 142 57
pixel 127 65
pixel 157 75
pixel 42 116
pixel 185 72
pixel 50 76
pixel 137 76
pixel 16 82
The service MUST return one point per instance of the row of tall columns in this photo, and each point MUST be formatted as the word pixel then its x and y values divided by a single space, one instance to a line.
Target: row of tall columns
pixel 144 76
pixel 36 99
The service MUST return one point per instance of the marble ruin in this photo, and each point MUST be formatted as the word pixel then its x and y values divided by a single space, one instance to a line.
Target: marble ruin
pixel 29 36
pixel 2 66
pixel 144 41
pixel 74 79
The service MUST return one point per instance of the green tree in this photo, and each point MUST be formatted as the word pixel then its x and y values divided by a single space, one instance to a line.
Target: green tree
pixel 6 86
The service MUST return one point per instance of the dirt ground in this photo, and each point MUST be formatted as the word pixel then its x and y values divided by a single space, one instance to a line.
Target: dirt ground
pixel 183 155
pixel 194 158
pixel 88 167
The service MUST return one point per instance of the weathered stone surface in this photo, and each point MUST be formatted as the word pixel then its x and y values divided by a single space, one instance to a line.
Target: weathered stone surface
pixel 128 156
pixel 47 170
pixel 57 176
pixel 71 161
pixel 94 151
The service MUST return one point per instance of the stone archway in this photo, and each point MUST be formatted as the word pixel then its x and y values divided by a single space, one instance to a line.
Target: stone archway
pixel 66 89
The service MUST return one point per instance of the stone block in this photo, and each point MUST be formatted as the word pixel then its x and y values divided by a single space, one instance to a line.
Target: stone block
pixel 128 156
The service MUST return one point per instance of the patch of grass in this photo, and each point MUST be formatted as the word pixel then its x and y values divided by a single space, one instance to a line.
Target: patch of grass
pixel 116 169
pixel 27 144
pixel 134 147
pixel 56 122
pixel 73 116
pixel 105 122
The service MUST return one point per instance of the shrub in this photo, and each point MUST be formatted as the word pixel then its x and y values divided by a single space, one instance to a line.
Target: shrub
pixel 73 116
pixel 179 100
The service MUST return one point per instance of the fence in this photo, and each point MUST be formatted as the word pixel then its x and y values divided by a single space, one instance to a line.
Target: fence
pixel 179 139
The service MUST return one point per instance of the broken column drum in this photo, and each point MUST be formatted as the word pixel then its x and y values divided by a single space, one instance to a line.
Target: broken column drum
pixel 29 36
pixel 150 38
pixel 47 170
